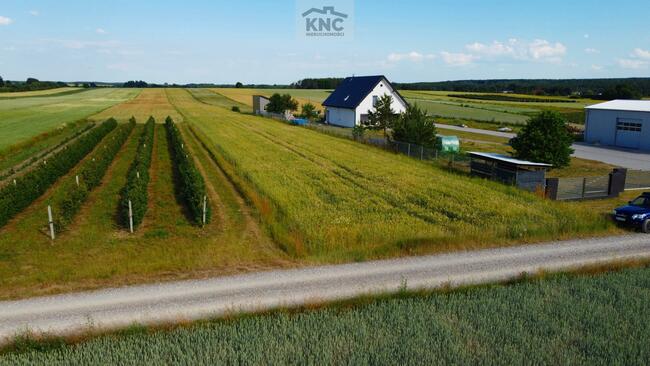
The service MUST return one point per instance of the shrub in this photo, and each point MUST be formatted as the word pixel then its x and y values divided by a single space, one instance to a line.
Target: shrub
pixel 191 183
pixel 545 139
pixel 138 179
pixel 15 198
pixel 235 109
pixel 90 176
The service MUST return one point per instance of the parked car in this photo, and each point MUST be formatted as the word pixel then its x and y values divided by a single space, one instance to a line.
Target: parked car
pixel 505 129
pixel 462 125
pixel 636 213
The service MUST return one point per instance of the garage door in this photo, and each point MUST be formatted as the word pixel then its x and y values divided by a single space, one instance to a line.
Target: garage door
pixel 628 133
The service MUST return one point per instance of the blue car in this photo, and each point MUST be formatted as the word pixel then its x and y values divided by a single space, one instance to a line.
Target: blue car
pixel 636 213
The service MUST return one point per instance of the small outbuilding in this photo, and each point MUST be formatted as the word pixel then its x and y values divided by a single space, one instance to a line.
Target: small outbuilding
pixel 620 123
pixel 259 104
pixel 526 175
pixel 349 104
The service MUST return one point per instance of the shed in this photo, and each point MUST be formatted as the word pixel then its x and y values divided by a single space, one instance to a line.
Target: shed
pixel 259 104
pixel 620 123
pixel 526 175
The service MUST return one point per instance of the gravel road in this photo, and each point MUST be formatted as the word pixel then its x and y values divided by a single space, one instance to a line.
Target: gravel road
pixel 197 299
pixel 626 158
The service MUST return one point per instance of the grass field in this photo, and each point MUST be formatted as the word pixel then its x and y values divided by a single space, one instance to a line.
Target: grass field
pixel 245 95
pixel 37 93
pixel 334 200
pixel 561 320
pixel 150 102
pixel 25 118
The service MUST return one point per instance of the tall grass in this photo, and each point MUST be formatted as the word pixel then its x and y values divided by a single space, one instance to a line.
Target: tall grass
pixel 331 198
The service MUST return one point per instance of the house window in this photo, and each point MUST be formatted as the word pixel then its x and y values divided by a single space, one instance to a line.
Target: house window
pixel 633 125
pixel 375 99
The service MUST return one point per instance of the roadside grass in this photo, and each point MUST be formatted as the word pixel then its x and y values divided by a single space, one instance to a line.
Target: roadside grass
pixel 22 119
pixel 94 252
pixel 333 200
pixel 150 102
pixel 587 316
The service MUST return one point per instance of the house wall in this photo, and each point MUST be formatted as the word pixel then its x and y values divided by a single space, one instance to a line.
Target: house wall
pixel 340 116
pixel 600 128
pixel 259 104
pixel 380 90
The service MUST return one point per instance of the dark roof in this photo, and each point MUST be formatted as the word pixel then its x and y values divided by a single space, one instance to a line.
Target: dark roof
pixel 353 90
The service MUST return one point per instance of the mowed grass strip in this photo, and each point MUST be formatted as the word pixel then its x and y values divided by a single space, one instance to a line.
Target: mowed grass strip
pixel 25 118
pixel 335 200
pixel 151 102
pixel 562 320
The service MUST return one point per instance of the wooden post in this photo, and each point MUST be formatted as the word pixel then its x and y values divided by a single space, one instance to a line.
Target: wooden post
pixel 409 150
pixel 421 152
pixel 205 208
pixel 130 217
pixel 50 221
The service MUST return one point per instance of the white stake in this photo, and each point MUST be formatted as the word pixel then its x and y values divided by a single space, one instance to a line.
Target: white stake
pixel 15 183
pixel 205 207
pixel 137 174
pixel 76 178
pixel 44 162
pixel 50 221
pixel 130 217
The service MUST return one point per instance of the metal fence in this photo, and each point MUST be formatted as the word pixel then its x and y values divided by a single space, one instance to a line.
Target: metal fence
pixel 453 160
pixel 637 179
pixel 583 188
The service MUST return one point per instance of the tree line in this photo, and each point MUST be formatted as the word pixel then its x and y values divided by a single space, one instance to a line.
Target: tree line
pixel 31 84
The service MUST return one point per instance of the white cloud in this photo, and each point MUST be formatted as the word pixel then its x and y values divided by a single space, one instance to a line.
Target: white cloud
pixel 78 44
pixel 34 13
pixel 458 59
pixel 632 64
pixel 640 53
pixel 591 50
pixel 5 20
pixel 596 67
pixel 101 31
pixel 537 50
pixel 410 56
pixel 119 67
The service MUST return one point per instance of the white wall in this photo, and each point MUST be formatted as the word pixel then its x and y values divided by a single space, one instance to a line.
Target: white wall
pixel 601 126
pixel 380 90
pixel 340 117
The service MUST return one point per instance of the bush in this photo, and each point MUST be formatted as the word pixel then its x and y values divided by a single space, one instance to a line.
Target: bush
pixel 235 109
pixel 90 177
pixel 15 198
pixel 191 183
pixel 545 139
pixel 137 179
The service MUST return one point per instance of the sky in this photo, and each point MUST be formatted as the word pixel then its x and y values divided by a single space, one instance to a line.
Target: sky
pixel 259 41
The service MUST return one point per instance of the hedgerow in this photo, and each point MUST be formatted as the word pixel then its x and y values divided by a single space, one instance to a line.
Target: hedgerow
pixel 137 180
pixel 16 197
pixel 90 176
pixel 191 183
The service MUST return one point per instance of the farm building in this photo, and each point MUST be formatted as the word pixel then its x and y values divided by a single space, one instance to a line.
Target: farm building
pixel 259 104
pixel 621 123
pixel 349 104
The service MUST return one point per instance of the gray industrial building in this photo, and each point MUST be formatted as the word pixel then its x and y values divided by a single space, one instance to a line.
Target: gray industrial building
pixel 620 123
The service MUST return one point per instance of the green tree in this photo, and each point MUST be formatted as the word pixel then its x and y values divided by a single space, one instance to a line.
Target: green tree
pixel 382 117
pixel 415 127
pixel 622 91
pixel 239 85
pixel 309 111
pixel 2 82
pixel 31 81
pixel 545 138
pixel 281 103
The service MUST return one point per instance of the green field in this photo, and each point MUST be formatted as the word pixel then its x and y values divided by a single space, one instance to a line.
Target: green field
pixel 563 320
pixel 22 119
pixel 336 200
pixel 38 93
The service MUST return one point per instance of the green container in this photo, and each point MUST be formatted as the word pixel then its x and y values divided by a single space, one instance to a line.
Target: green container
pixel 449 144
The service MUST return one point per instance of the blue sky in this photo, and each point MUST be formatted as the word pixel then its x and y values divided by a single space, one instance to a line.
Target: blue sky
pixel 256 41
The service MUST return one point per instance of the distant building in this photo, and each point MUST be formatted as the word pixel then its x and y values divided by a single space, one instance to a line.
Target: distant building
pixel 259 104
pixel 621 123
pixel 349 104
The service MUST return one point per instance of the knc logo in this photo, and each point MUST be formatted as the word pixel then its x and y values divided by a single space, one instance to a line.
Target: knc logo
pixel 325 22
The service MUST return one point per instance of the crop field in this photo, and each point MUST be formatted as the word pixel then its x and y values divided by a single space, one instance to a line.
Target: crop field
pixel 24 118
pixel 150 102
pixel 37 93
pixel 589 320
pixel 331 200
pixel 245 95
pixel 465 111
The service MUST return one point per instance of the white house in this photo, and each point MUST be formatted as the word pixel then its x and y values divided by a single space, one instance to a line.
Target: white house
pixel 349 104
pixel 622 123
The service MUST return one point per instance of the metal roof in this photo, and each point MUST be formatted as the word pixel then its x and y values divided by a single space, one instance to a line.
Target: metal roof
pixel 352 90
pixel 623 105
pixel 508 159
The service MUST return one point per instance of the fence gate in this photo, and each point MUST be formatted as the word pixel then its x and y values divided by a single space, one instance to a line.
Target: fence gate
pixel 583 188
pixel 637 179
